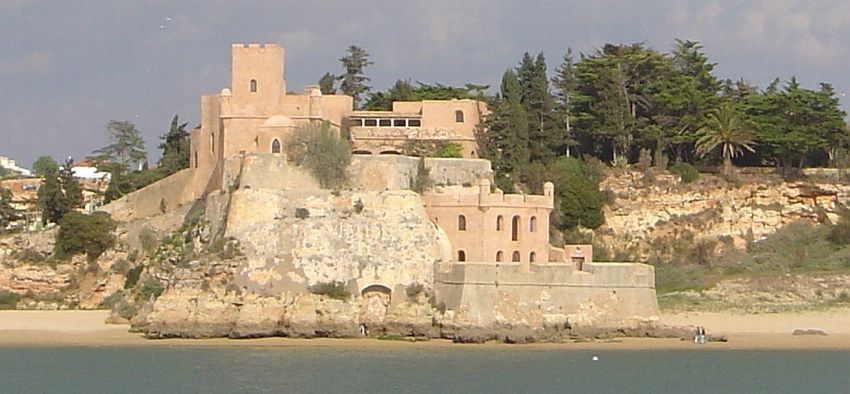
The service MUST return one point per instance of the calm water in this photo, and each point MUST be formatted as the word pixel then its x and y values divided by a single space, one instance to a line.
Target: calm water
pixel 463 369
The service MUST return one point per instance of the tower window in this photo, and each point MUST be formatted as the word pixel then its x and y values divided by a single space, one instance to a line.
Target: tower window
pixel 531 257
pixel 461 223
pixel 499 223
pixel 515 256
pixel 275 146
pixel 461 255
pixel 515 228
pixel 532 224
pixel 253 86
pixel 458 116
pixel 499 256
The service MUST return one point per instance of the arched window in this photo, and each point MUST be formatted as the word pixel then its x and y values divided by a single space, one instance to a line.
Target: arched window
pixel 253 86
pixel 532 224
pixel 461 255
pixel 275 146
pixel 212 143
pixel 499 222
pixel 461 223
pixel 531 257
pixel 458 116
pixel 515 256
pixel 196 159
pixel 499 256
pixel 515 228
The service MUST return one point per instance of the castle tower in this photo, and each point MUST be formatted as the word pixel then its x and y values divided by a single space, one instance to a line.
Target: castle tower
pixel 256 79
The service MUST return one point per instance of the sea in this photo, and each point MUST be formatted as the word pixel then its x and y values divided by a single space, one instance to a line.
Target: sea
pixel 456 369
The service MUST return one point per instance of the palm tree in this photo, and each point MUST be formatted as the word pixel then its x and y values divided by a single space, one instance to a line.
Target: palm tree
pixel 727 128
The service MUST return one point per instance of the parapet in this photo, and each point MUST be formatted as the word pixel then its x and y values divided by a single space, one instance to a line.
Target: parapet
pixel 483 197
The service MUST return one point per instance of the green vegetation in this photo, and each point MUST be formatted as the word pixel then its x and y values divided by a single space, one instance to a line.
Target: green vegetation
pixel 89 234
pixel 60 193
pixel 175 149
pixel 686 172
pixel 352 81
pixel 422 181
pixel 8 214
pixel 151 287
pixel 413 290
pixel 8 300
pixel 335 290
pixel 324 154
pixel 800 247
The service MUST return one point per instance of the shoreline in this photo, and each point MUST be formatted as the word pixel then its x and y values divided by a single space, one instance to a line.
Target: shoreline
pixel 744 332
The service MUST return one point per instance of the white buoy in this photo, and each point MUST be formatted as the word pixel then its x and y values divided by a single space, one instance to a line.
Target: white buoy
pixel 595 358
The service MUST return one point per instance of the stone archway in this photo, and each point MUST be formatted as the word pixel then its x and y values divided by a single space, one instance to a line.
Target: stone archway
pixel 376 300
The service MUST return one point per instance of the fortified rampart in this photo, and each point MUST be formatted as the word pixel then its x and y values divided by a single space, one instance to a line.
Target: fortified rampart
pixel 389 172
pixel 154 199
pixel 602 294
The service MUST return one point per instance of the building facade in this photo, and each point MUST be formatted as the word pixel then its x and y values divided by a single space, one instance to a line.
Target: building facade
pixel 256 114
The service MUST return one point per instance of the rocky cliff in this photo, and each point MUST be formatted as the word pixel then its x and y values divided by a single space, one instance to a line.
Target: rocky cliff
pixel 644 216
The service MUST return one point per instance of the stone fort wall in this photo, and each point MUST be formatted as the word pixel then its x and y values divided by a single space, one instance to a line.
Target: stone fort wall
pixel 485 294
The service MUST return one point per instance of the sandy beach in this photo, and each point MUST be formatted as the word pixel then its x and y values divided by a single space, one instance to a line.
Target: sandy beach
pixel 763 331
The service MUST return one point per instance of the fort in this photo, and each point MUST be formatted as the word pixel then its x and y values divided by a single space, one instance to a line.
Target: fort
pixel 482 254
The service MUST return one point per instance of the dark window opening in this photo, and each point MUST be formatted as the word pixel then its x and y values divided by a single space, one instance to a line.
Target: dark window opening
pixel 459 116
pixel 384 123
pixel 275 146
pixel 531 257
pixel 515 228
pixel 461 223
pixel 461 255
pixel 515 256
pixel 499 223
pixel 532 224
pixel 253 86
pixel 399 123
pixel 414 123
pixel 370 122
pixel 499 255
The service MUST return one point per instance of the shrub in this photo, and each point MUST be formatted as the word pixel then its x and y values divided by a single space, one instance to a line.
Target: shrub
pixel 111 301
pixel 448 149
pixel 8 300
pixel 358 206
pixel 423 180
pixel 148 239
pixel 89 234
pixel 335 290
pixel 413 290
pixel 302 213
pixel 839 233
pixel 325 155
pixel 132 276
pixel 686 172
pixel 151 287
pixel 579 198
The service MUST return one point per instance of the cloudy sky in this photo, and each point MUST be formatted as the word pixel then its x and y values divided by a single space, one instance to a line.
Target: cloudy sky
pixel 68 67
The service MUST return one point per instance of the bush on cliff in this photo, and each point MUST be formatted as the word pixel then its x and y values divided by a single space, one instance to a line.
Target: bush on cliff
pixel 8 300
pixel 318 149
pixel 686 172
pixel 89 234
pixel 335 290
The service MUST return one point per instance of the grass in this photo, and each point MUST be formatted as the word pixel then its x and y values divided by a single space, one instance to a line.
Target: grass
pixel 798 248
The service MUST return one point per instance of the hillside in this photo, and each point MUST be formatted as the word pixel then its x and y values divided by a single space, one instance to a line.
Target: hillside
pixel 758 244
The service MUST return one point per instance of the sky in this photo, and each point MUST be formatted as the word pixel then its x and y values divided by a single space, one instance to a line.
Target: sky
pixel 69 67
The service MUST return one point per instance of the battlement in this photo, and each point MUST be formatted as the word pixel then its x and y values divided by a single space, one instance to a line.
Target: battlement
pixel 255 46
pixel 484 198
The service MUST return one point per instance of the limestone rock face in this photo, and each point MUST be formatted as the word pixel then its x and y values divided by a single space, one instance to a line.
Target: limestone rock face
pixel 371 245
pixel 292 242
pixel 710 208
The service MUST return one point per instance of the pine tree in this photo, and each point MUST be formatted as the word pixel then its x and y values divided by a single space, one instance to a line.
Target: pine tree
pixel 353 82
pixel 175 148
pixel 506 141
pixel 327 82
pixel 127 146
pixel 545 141
pixel 565 86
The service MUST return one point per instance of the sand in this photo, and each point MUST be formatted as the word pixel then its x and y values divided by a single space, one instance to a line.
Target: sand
pixel 762 331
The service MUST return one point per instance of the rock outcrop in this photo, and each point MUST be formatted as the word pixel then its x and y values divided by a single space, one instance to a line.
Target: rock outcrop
pixel 710 208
